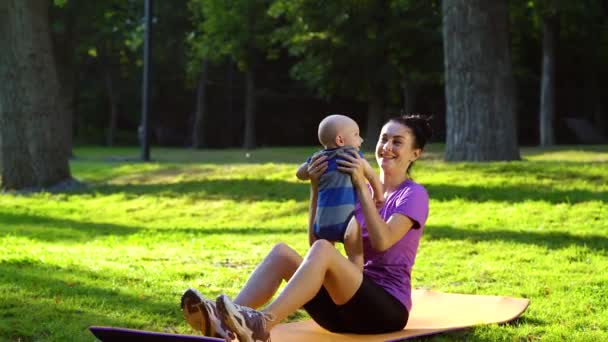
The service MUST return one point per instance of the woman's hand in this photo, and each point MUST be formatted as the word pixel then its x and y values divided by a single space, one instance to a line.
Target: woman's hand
pixel 353 164
pixel 316 167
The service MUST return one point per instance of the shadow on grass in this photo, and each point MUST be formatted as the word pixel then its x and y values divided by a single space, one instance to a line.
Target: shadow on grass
pixel 53 229
pixel 50 299
pixel 550 240
pixel 48 229
pixel 235 189
pixel 245 231
pixel 512 193
pixel 276 190
pixel 292 155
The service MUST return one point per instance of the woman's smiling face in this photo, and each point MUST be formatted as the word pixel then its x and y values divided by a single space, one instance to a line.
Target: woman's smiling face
pixel 395 150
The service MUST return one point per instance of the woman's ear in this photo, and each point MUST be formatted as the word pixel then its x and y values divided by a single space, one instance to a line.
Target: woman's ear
pixel 417 153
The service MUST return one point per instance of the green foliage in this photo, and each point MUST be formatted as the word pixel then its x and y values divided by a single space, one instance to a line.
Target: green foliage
pixel 94 40
pixel 60 3
pixel 98 40
pixel 121 252
pixel 361 48
pixel 237 30
pixel 346 49
pixel 109 25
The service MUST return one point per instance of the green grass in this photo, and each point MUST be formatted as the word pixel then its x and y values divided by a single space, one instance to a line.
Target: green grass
pixel 122 251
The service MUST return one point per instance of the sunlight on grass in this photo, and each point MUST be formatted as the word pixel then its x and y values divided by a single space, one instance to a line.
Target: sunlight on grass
pixel 590 154
pixel 121 251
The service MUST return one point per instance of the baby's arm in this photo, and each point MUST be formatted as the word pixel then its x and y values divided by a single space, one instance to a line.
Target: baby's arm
pixel 302 172
pixel 374 181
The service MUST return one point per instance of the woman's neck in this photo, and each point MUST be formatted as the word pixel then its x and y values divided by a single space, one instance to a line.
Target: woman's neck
pixel 392 182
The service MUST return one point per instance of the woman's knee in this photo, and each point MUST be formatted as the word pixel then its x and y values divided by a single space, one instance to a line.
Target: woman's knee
pixel 321 248
pixel 282 250
pixel 284 255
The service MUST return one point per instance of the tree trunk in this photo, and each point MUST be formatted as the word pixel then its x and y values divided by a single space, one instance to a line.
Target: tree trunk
pixel 113 102
pixel 70 105
pixel 599 117
pixel 547 89
pixel 479 85
pixel 249 141
pixel 229 119
pixel 592 101
pixel 34 145
pixel 408 91
pixel 64 52
pixel 75 122
pixel 107 68
pixel 198 131
pixel 375 111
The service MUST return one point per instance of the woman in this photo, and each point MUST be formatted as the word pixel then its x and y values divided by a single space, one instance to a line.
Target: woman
pixel 337 294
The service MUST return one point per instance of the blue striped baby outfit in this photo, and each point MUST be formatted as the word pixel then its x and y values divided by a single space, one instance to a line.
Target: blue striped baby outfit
pixel 337 198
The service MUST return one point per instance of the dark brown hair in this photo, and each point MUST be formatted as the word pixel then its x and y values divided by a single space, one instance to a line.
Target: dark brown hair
pixel 420 126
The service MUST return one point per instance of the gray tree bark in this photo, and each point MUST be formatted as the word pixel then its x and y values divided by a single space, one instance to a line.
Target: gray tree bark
pixel 34 145
pixel 547 88
pixel 198 131
pixel 479 85
pixel 64 45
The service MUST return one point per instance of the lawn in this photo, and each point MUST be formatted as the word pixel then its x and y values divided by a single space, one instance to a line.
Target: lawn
pixel 121 251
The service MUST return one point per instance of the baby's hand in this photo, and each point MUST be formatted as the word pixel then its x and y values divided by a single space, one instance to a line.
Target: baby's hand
pixel 378 199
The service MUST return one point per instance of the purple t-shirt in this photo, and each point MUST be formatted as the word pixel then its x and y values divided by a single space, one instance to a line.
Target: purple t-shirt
pixel 392 268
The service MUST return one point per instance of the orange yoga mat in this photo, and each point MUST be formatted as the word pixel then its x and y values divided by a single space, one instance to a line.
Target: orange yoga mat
pixel 432 313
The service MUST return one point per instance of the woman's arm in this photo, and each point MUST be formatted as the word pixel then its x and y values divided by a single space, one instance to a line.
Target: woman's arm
pixel 382 235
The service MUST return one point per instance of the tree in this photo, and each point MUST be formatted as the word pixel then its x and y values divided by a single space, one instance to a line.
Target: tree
pixel 99 50
pixel 237 30
pixel 363 49
pixel 578 19
pixel 63 47
pixel 34 139
pixel 547 84
pixel 100 38
pixel 479 85
pixel 198 129
pixel 559 47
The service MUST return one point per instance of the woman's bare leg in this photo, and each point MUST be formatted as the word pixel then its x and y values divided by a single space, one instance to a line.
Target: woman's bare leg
pixel 280 264
pixel 322 266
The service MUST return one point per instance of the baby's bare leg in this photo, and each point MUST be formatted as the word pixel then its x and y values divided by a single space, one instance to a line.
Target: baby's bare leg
pixel 353 243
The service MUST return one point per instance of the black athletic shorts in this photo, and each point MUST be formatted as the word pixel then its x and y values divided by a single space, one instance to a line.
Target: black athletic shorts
pixel 372 310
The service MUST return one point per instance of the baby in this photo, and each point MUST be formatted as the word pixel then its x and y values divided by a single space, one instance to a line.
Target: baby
pixel 336 201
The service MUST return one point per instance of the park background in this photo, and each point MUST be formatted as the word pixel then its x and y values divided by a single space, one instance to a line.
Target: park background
pixel 91 235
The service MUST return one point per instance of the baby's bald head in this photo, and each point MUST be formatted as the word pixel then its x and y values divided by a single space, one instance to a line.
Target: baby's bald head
pixel 332 126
